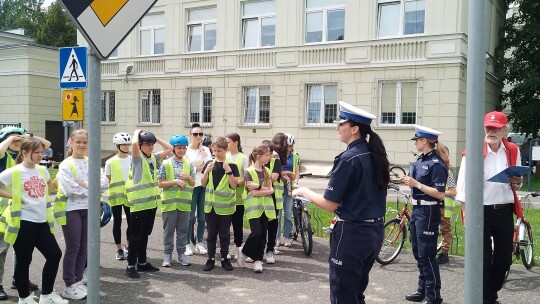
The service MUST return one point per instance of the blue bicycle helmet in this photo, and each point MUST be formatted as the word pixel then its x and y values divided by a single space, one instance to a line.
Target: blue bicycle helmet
pixel 5 132
pixel 178 140
pixel 106 214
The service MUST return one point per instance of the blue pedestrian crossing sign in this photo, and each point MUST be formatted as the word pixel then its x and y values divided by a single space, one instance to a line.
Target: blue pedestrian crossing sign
pixel 73 67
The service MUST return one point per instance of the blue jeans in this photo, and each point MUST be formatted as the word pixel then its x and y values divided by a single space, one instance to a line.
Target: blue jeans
pixel 287 211
pixel 197 211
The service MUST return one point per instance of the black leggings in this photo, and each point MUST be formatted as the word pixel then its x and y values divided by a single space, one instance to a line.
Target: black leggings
pixel 238 225
pixel 254 246
pixel 35 235
pixel 117 223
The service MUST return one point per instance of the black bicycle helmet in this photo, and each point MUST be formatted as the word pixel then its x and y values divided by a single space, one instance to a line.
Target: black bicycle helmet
pixel 146 137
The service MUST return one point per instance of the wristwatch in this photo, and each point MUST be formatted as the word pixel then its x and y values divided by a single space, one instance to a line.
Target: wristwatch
pixel 260 187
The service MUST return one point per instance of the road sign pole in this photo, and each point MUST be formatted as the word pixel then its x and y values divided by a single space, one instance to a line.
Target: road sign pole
pixel 94 174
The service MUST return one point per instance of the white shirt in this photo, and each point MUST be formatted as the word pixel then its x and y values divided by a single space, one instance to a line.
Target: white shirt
pixel 34 203
pixel 125 164
pixel 245 162
pixel 494 193
pixel 77 195
pixel 196 158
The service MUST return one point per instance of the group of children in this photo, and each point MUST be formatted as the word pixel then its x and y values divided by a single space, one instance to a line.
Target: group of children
pixel 185 180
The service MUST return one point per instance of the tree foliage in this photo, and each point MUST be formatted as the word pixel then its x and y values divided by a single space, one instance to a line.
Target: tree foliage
pixel 519 56
pixel 51 27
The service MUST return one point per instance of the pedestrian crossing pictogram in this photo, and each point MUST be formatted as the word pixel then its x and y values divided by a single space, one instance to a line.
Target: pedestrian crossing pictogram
pixel 105 23
pixel 72 67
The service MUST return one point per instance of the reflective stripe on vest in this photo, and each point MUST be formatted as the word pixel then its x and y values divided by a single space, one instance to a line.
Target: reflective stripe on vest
pixel 278 187
pixel 254 206
pixel 174 197
pixel 10 162
pixel 222 199
pixel 60 203
pixel 117 186
pixel 10 221
pixel 240 189
pixel 145 194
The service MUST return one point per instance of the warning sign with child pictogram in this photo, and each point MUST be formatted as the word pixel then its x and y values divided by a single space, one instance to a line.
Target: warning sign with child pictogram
pixel 72 105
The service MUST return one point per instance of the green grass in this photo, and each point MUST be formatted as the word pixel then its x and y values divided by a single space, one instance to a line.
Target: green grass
pixel 458 231
pixel 52 172
pixel 535 183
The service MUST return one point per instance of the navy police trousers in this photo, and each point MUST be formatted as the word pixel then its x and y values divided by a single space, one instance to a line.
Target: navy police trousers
pixel 424 229
pixel 353 249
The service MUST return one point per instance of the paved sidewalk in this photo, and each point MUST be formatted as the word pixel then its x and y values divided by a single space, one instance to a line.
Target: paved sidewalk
pixel 295 278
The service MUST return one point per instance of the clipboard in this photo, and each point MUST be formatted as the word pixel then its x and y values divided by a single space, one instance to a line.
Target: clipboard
pixel 502 177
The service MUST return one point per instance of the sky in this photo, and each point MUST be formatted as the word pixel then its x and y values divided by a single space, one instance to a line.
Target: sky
pixel 46 3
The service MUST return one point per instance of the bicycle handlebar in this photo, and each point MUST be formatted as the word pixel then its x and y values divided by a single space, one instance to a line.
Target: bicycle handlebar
pixel 398 190
pixel 302 199
pixel 305 174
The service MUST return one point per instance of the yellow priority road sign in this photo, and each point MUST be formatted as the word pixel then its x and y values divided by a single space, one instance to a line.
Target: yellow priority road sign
pixel 72 105
pixel 105 23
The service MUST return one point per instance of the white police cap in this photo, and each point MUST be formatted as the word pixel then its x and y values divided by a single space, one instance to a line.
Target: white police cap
pixel 350 112
pixel 425 132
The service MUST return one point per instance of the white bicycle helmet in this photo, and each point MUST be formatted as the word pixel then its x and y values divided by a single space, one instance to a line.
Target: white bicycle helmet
pixel 122 138
pixel 290 139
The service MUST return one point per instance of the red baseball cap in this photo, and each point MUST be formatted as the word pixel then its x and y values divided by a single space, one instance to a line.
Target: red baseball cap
pixel 495 119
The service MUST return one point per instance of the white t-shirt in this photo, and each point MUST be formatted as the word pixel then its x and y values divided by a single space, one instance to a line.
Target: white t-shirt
pixel 34 203
pixel 196 158
pixel 245 162
pixel 125 163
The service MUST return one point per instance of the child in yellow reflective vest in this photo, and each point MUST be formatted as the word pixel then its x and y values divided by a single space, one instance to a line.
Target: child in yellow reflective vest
pixel 220 179
pixel 259 206
pixel 28 221
pixel 176 177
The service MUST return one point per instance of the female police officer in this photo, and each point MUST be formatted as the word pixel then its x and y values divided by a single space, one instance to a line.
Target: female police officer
pixel 427 178
pixel 356 193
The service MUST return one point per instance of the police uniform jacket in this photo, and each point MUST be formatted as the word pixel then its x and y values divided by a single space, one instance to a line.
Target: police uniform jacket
pixel 430 170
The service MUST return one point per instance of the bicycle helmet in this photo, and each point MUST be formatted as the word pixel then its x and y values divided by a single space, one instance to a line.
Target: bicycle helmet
pixel 147 137
pixel 106 214
pixel 121 138
pixel 290 139
pixel 5 132
pixel 178 140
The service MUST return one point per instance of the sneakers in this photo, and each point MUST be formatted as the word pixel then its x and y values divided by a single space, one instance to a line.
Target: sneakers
pixel 188 250
pixel 232 253
pixel 132 272
pixel 209 265
pixel 52 298
pixel 200 249
pixel 167 260
pixel 442 258
pixel 270 258
pixel 226 264
pixel 74 292
pixel 81 286
pixel 249 260
pixel 146 267
pixel 126 249
pixel 276 250
pixel 31 286
pixel 3 295
pixel 31 299
pixel 258 267
pixel 241 259
pixel 120 255
pixel 183 260
pixel 288 243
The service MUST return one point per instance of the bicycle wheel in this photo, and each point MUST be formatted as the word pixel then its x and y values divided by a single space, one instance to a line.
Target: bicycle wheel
pixel 526 244
pixel 193 233
pixel 296 218
pixel 396 173
pixel 394 238
pixel 306 233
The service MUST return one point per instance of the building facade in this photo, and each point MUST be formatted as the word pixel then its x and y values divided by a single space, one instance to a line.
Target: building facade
pixel 262 67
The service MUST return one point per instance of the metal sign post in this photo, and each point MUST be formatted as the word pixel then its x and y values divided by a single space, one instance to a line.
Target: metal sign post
pixel 94 174
pixel 474 196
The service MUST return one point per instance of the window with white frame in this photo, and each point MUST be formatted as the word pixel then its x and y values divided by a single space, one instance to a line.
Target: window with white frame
pixel 201 29
pixel 152 34
pixel 256 105
pixel 150 106
pixel 325 20
pixel 108 106
pixel 258 24
pixel 322 103
pixel 200 105
pixel 404 17
pixel 398 102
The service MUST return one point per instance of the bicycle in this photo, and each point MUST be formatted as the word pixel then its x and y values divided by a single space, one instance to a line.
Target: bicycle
pixel 523 237
pixel 396 173
pixel 395 230
pixel 302 222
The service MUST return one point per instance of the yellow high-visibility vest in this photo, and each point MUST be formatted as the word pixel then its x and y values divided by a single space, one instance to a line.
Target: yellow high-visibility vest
pixel 222 199
pixel 256 205
pixel 145 194
pixel 174 197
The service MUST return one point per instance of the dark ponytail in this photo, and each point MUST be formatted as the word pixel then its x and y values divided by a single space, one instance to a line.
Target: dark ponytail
pixel 380 163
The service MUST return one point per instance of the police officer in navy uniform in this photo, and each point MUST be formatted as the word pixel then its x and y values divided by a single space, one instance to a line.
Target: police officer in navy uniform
pixel 427 178
pixel 356 193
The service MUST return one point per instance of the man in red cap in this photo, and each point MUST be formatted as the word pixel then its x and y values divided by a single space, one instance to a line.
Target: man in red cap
pixel 499 199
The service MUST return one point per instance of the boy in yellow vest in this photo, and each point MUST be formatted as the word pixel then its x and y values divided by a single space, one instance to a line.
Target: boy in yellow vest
pixel 176 178
pixel 220 179
pixel 143 197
